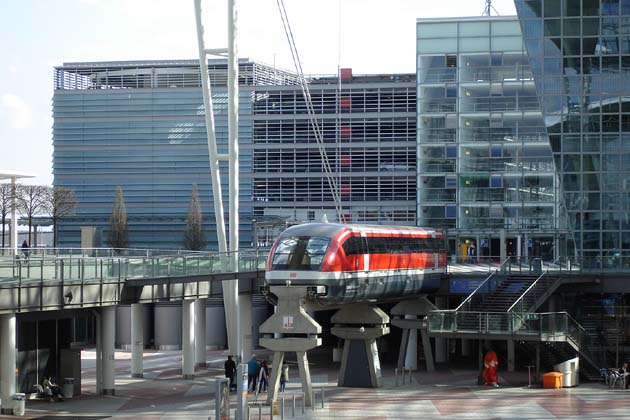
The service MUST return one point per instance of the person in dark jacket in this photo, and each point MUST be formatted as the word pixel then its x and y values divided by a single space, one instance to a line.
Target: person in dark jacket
pixel 230 372
pixel 25 250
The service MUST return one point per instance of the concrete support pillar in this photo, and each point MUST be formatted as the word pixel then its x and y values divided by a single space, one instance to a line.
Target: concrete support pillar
pixel 7 362
pixel 137 340
pixel 411 356
pixel 231 303
pixel 426 345
pixel 480 357
pixel 525 245
pixel 98 324
pixel 246 331
pixel 511 361
pixel 108 331
pixel 519 245
pixel 188 339
pixel 441 344
pixel 305 377
pixel 466 347
pixel 537 377
pixel 200 333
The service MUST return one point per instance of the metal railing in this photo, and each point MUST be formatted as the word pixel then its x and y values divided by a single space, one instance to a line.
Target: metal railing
pixel 98 265
pixel 485 288
pixel 536 292
pixel 550 326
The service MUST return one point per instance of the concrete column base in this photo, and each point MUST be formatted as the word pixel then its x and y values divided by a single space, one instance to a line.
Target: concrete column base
pixel 188 377
pixel 137 375
pixel 109 392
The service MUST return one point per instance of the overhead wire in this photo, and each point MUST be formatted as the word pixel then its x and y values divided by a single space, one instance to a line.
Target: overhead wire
pixel 332 183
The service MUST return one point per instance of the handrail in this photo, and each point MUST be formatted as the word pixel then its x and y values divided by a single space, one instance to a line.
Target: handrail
pixel 527 291
pixel 481 285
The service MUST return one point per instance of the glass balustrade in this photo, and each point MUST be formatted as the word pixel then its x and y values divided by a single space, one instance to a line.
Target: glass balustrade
pixel 71 265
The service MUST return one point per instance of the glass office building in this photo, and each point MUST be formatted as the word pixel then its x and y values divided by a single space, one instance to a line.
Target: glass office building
pixel 485 168
pixel 141 125
pixel 580 56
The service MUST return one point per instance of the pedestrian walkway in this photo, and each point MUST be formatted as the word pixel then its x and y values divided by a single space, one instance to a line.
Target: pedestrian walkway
pixel 446 394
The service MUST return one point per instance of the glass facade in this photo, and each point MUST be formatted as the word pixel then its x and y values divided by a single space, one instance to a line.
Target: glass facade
pixel 485 168
pixel 141 126
pixel 580 56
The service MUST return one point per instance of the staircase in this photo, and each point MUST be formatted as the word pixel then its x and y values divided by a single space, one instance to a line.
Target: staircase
pixel 506 293
pixel 506 307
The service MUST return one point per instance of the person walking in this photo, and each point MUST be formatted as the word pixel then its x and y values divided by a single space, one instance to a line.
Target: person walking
pixel 263 377
pixel 25 250
pixel 284 377
pixel 230 372
pixel 252 373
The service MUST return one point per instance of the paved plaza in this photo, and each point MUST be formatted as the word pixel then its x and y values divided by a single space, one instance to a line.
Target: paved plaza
pixel 445 394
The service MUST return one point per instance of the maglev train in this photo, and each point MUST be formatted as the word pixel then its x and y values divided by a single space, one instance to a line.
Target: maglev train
pixel 347 263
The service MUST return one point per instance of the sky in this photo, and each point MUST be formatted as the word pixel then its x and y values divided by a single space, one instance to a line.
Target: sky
pixel 369 36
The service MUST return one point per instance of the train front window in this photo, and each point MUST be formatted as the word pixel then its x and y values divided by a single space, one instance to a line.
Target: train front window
pixel 299 253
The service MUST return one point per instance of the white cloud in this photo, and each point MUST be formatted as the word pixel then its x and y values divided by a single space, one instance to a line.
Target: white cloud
pixel 18 112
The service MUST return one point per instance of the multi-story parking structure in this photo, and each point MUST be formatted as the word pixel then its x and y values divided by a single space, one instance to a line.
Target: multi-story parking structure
pixel 368 133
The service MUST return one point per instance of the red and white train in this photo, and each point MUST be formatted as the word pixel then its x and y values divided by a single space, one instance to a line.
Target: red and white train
pixel 358 262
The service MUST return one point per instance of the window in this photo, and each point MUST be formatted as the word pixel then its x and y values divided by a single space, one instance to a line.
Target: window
pixel 390 245
pixel 299 253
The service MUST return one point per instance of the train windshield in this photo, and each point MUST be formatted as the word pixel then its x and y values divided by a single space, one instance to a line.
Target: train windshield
pixel 299 253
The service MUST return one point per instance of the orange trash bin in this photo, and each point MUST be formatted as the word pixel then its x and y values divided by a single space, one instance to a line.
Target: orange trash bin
pixel 552 380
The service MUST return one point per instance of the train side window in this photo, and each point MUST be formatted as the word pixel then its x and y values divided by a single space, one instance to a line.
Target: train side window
pixel 355 245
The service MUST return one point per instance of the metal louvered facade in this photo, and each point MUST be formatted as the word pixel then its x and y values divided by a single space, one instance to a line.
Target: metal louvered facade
pixel 140 125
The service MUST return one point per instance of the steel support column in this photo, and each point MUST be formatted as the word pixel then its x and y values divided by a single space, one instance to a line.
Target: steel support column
pixel 108 330
pixel 188 339
pixel 7 362
pixel 200 333
pixel 137 340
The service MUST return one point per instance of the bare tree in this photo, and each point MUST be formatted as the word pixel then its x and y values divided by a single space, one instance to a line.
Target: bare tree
pixel 194 236
pixel 60 203
pixel 32 202
pixel 6 203
pixel 118 233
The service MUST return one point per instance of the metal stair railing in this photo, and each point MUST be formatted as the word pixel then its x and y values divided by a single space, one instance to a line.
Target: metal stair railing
pixel 535 294
pixel 579 339
pixel 482 291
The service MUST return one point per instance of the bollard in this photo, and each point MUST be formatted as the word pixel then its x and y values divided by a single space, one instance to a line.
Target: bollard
pixel 303 403
pixel 396 375
pixel 322 397
pixel 293 407
pixel 282 408
pixel 259 411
